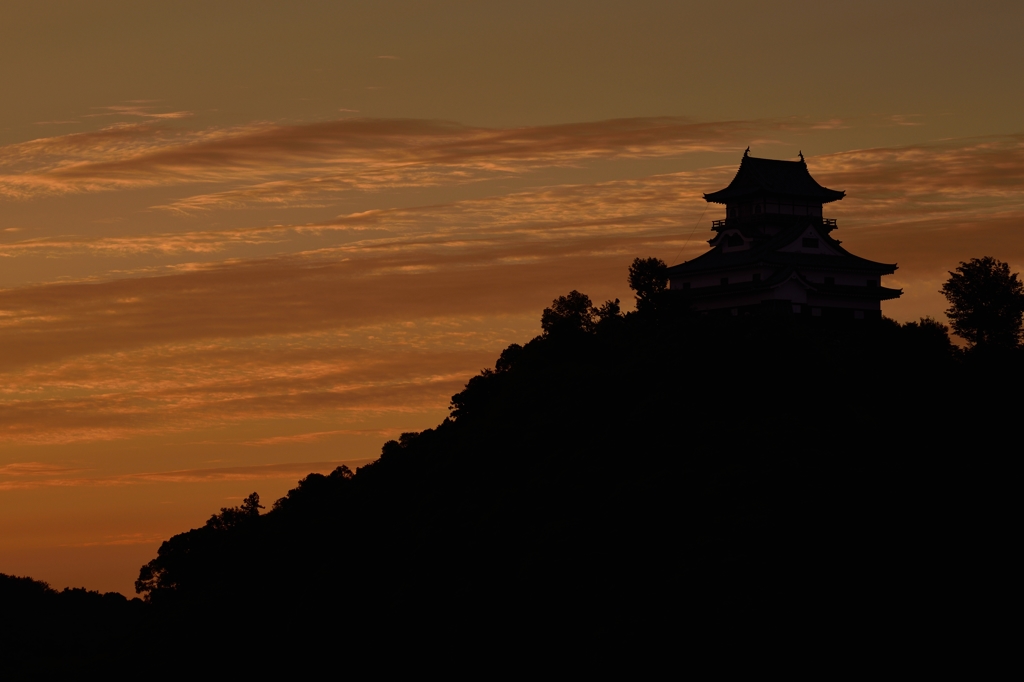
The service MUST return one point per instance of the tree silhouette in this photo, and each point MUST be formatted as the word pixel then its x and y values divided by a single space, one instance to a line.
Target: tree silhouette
pixel 986 303
pixel 608 310
pixel 251 505
pixel 573 312
pixel 648 277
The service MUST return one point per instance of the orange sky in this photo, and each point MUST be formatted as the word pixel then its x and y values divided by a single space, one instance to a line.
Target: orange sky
pixel 242 241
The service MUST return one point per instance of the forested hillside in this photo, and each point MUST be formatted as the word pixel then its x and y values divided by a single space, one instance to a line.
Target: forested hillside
pixel 619 461
pixel 620 474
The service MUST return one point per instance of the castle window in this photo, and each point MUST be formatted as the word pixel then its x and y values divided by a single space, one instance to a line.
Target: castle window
pixel 830 281
pixel 810 243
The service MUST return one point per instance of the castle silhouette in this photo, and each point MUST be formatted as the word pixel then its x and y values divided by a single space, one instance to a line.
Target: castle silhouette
pixel 775 252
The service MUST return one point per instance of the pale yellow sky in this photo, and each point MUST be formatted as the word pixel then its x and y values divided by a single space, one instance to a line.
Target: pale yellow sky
pixel 244 241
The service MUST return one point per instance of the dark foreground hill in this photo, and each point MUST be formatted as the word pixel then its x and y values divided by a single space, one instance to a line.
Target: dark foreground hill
pixel 43 630
pixel 633 478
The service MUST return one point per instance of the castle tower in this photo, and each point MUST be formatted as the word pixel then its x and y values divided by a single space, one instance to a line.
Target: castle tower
pixel 774 251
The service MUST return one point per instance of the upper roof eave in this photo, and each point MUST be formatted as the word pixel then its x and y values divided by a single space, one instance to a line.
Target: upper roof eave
pixel 773 177
pixel 722 197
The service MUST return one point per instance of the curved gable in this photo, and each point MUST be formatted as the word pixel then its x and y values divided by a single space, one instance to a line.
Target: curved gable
pixel 771 177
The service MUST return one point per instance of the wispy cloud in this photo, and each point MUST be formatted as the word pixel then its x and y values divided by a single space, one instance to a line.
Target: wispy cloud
pixel 204 241
pixel 946 183
pixel 314 332
pixel 175 388
pixel 121 539
pixel 288 163
pixel 291 470
pixel 314 436
pixel 907 119
pixel 320 330
pixel 658 202
pixel 522 245
pixel 138 110
pixel 35 470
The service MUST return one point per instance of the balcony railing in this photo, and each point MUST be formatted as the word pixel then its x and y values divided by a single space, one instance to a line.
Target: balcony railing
pixel 762 217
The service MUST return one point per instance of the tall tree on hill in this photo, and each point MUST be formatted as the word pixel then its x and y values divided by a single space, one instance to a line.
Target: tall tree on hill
pixel 648 277
pixel 574 313
pixel 986 303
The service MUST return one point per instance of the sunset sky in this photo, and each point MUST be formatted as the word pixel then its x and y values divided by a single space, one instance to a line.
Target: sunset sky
pixel 243 241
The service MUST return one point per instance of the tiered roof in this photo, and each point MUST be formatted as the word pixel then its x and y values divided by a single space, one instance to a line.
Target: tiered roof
pixel 731 289
pixel 770 177
pixel 767 253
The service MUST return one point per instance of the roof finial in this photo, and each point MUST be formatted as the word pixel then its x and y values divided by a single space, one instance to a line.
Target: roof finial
pixel 747 153
pixel 801 155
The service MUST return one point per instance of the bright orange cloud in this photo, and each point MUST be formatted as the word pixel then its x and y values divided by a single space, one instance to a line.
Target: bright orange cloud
pixel 321 329
pixel 297 164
